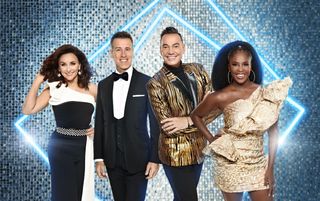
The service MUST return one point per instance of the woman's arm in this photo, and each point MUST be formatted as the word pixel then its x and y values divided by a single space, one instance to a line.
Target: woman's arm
pixel 93 90
pixel 273 145
pixel 34 103
pixel 209 104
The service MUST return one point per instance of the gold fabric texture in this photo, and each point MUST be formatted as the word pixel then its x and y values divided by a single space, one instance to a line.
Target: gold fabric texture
pixel 185 146
pixel 239 160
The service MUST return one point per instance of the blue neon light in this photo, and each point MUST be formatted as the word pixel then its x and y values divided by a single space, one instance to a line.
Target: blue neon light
pixel 263 61
pixel 188 25
pixel 193 29
pixel 241 36
pixel 30 140
pixel 146 35
pixel 131 22
pixel 214 44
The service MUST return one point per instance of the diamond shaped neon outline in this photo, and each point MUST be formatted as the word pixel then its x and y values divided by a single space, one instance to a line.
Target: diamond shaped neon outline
pixel 215 45
pixel 141 41
pixel 294 103
pixel 196 31
pixel 101 49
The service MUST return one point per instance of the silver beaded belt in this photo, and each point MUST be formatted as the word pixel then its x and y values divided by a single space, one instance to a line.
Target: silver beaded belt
pixel 71 131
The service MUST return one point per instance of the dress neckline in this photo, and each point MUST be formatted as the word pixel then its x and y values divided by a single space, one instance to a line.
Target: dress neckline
pixel 66 94
pixel 243 99
pixel 80 92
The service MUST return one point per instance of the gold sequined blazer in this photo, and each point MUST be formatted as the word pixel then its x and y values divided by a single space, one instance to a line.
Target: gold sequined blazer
pixel 168 99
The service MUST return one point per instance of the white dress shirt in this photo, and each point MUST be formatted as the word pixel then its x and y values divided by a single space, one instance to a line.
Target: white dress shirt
pixel 120 93
pixel 119 96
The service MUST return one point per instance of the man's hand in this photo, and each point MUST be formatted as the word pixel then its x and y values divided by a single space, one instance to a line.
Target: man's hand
pixel 172 125
pixel 101 169
pixel 151 170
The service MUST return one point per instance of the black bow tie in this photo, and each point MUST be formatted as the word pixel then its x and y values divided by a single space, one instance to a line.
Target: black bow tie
pixel 117 76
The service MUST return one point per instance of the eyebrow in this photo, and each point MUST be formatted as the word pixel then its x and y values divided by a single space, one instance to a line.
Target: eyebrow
pixel 67 62
pixel 172 44
pixel 121 47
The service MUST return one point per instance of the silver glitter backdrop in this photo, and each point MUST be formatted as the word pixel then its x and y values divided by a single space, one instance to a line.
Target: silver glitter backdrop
pixel 285 33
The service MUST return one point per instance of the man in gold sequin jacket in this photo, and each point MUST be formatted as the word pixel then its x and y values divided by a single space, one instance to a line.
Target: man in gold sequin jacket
pixel 174 91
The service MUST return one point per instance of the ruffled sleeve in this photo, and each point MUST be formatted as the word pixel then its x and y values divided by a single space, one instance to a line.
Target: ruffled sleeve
pixel 55 93
pixel 266 110
pixel 277 91
pixel 52 85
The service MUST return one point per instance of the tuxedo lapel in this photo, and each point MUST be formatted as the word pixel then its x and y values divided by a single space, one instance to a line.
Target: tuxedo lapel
pixel 109 97
pixel 130 91
pixel 177 83
pixel 193 87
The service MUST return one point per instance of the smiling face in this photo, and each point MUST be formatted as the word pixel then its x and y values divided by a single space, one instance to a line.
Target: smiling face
pixel 69 66
pixel 240 66
pixel 122 53
pixel 172 49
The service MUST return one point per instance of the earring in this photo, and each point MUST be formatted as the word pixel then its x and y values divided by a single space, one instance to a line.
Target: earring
pixel 254 75
pixel 229 77
pixel 79 72
pixel 59 74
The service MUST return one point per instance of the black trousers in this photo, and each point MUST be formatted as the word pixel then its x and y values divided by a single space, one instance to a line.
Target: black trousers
pixel 126 186
pixel 67 161
pixel 184 181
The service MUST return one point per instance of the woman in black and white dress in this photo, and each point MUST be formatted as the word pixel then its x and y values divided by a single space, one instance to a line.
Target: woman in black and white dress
pixel 72 97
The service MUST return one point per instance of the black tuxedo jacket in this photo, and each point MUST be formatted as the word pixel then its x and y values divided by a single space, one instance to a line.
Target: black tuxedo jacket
pixel 139 147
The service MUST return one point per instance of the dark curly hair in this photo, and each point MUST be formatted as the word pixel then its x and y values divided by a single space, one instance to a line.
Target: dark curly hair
pixel 49 68
pixel 219 74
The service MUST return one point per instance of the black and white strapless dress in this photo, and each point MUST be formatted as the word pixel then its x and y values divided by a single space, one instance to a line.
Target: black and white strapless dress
pixel 70 151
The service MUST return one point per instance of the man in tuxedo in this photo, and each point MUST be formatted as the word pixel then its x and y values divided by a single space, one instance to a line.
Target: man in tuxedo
pixel 122 144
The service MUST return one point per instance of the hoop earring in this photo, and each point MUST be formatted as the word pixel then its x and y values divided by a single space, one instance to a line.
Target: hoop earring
pixel 254 75
pixel 229 79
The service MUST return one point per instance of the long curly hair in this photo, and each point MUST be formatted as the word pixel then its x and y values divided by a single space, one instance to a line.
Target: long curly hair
pixel 50 71
pixel 219 74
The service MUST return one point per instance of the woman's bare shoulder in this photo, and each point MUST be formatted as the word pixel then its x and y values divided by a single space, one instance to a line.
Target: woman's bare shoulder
pixel 223 94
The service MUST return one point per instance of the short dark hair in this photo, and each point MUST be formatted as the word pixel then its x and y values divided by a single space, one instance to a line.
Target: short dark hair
pixel 121 34
pixel 170 30
pixel 219 74
pixel 50 66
